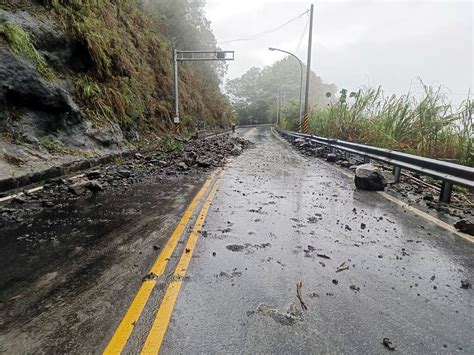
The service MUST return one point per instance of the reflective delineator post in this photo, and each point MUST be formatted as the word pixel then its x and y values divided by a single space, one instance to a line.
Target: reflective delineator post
pixel 305 128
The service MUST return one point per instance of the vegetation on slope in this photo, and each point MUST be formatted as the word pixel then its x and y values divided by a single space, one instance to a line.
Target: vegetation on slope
pixel 130 43
pixel 20 42
pixel 427 125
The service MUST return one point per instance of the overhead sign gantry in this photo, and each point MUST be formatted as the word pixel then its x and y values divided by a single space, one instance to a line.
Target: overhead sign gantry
pixel 193 56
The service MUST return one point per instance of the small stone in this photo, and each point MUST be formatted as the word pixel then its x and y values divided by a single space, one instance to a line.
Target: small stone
pixel 78 188
pixel 182 166
pixel 465 226
pixel 354 288
pixel 331 157
pixel 465 284
pixel 19 200
pixel 94 174
pixel 94 186
pixel 236 150
pixel 124 173
pixel 388 344
pixel 47 204
pixel 428 197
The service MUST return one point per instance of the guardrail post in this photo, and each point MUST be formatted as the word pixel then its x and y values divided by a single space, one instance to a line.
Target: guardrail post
pixel 366 160
pixel 397 171
pixel 446 191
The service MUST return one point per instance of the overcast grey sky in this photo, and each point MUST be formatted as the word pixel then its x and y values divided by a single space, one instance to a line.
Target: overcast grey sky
pixel 356 42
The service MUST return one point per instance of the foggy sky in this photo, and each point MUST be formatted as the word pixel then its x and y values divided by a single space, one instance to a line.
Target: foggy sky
pixel 357 43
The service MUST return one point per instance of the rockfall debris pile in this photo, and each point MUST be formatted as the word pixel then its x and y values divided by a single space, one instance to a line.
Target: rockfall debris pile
pixel 188 157
pixel 412 187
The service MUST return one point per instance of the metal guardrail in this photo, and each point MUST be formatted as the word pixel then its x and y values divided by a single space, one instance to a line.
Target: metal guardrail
pixel 450 173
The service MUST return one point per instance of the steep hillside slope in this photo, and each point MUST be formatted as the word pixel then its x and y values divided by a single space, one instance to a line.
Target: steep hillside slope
pixel 85 77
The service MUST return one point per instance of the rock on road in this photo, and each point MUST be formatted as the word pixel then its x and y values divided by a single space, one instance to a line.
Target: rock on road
pixel 367 270
pixel 275 212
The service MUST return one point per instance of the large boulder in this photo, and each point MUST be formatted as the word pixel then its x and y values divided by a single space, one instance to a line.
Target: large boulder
pixel 369 177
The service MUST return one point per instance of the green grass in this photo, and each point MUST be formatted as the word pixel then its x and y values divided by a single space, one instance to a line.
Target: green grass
pixel 19 41
pixel 131 79
pixel 53 146
pixel 427 124
pixel 169 144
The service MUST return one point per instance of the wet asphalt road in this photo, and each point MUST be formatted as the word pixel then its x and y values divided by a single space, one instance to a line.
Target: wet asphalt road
pixel 274 212
pixel 68 283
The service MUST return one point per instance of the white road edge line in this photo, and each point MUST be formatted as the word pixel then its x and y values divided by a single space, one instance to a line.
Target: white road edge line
pixel 401 203
pixel 38 188
pixel 6 198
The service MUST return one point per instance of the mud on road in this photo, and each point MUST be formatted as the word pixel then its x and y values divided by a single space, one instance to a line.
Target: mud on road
pixel 72 252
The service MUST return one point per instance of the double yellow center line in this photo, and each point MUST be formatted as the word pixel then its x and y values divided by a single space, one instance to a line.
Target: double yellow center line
pixel 158 330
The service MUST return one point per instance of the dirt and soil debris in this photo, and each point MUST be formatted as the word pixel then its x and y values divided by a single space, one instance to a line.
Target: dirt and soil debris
pixel 120 175
pixel 413 188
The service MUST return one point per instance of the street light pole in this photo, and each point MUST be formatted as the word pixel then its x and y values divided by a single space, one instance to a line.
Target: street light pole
pixel 308 62
pixel 301 79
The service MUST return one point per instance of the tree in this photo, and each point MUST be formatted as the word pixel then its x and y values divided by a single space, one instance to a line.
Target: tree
pixel 258 89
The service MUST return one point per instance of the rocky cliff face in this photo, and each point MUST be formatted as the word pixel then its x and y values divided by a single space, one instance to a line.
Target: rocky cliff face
pixel 85 79
pixel 39 117
pixel 34 108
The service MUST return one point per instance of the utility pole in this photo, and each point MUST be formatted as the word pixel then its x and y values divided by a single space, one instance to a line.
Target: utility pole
pixel 305 127
pixel 278 109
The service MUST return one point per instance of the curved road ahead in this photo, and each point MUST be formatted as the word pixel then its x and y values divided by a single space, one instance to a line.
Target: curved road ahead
pixel 279 218
pixel 366 270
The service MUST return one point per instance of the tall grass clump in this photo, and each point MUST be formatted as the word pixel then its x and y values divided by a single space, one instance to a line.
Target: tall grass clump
pixel 19 41
pixel 426 124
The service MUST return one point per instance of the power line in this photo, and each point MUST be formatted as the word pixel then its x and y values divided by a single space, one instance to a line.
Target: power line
pixel 260 34
pixel 302 36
